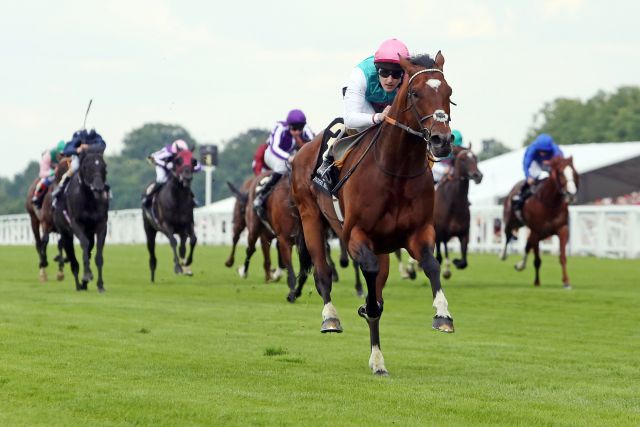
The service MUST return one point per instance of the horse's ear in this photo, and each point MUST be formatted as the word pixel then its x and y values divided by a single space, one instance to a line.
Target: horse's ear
pixel 407 66
pixel 440 60
pixel 469 146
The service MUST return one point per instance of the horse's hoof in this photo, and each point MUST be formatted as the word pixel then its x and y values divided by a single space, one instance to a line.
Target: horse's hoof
pixel 177 269
pixel 43 277
pixel 101 290
pixel 446 274
pixel 186 270
pixel 331 325
pixel 344 263
pixel 291 297
pixel 502 257
pixel 381 373
pixel 567 286
pixel 228 263
pixel 412 274
pixel 60 276
pixel 519 266
pixel 87 277
pixel 460 264
pixel 242 272
pixel 442 324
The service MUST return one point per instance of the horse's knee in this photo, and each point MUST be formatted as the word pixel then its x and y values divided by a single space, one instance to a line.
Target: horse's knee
pixel 367 260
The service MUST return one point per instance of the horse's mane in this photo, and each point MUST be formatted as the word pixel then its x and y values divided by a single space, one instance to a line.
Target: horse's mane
pixel 423 60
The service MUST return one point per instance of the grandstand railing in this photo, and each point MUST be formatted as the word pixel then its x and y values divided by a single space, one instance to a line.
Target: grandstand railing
pixel 603 231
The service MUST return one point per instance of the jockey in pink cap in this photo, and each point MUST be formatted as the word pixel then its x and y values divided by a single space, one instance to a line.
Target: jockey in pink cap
pixel 163 161
pixel 369 93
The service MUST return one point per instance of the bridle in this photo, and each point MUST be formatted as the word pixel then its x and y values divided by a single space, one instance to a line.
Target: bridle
pixel 438 115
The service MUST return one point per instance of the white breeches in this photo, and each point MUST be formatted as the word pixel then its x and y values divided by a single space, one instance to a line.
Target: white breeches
pixel 274 162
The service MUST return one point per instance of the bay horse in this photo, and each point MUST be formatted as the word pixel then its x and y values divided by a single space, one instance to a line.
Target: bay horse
pixel 385 197
pixel 546 213
pixel 451 212
pixel 42 224
pixel 239 223
pixel 82 211
pixel 171 212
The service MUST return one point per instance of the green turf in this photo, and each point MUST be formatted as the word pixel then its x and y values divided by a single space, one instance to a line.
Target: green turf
pixel 215 349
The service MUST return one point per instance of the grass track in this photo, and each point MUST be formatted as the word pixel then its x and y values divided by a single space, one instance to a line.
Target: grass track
pixel 215 349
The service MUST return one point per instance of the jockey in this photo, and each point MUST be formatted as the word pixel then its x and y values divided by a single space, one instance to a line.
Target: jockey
pixel 284 140
pixel 536 160
pixel 79 142
pixel 443 167
pixel 48 163
pixel 369 93
pixel 163 161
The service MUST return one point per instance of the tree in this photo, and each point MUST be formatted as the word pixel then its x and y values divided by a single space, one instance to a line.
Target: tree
pixel 604 118
pixel 492 148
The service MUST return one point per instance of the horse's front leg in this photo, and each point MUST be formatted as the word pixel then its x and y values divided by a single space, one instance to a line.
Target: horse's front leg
pixel 42 263
pixel 421 247
pixel 523 262
pixel 332 265
pixel 43 256
pixel 537 261
pixel 193 239
pixel 67 243
pixel 101 234
pixel 446 273
pixel 177 268
pixel 60 260
pixel 86 244
pixel 563 235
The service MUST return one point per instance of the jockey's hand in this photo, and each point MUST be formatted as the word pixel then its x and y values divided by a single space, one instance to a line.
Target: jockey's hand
pixel 150 160
pixel 169 165
pixel 81 148
pixel 380 116
pixel 530 180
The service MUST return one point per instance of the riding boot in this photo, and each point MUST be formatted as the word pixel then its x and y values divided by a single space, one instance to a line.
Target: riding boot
pixel 59 190
pixel 38 194
pixel 261 196
pixel 519 199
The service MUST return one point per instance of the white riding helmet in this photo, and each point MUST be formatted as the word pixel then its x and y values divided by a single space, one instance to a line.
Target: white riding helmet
pixel 178 145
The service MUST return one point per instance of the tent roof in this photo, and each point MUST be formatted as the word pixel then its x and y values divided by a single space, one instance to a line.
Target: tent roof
pixel 502 172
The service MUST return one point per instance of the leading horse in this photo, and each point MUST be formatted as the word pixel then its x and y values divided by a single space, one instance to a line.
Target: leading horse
pixel 385 199
pixel 546 213
pixel 82 210
pixel 171 212
pixel 42 224
pixel 451 212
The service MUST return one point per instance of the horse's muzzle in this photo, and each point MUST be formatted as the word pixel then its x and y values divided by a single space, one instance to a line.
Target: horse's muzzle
pixel 477 177
pixel 440 145
pixel 570 198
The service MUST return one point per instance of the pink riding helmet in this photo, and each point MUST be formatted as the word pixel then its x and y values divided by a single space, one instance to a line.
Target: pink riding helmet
pixel 389 51
pixel 178 145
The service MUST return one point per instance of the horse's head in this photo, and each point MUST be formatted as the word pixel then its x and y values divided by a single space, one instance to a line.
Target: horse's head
pixel 566 177
pixel 183 167
pixel 426 98
pixel 466 164
pixel 93 170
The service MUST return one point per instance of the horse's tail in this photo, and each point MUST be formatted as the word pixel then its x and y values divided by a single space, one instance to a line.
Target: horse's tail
pixel 304 257
pixel 243 197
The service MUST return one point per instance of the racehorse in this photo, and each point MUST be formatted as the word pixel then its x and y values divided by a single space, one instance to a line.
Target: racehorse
pixel 451 211
pixel 385 197
pixel 239 224
pixel 171 212
pixel 42 220
pixel 545 213
pixel 82 210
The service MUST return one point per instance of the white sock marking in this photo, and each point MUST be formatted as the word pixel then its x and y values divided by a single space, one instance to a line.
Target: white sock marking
pixel 376 361
pixel 329 312
pixel 441 305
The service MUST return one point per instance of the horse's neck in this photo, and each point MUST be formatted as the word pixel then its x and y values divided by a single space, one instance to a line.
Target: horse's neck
pixel 178 191
pixel 399 152
pixel 550 193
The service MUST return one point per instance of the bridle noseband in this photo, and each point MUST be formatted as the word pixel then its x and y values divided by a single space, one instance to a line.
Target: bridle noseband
pixel 438 115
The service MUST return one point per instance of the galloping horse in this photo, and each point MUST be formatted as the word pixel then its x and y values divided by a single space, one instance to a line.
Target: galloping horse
pixel 451 211
pixel 386 197
pixel 239 222
pixel 42 220
pixel 82 210
pixel 171 212
pixel 545 213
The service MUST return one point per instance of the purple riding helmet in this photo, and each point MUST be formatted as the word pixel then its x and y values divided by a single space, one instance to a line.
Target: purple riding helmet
pixel 296 117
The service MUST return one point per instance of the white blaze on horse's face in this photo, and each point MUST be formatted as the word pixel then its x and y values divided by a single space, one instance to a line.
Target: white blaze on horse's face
pixel 434 84
pixel 571 185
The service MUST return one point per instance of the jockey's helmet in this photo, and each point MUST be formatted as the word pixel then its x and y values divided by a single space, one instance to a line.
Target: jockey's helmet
pixel 456 138
pixel 178 145
pixel 388 53
pixel 544 142
pixel 296 117
pixel 60 146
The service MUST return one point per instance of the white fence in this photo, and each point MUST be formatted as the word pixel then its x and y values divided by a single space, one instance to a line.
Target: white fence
pixel 603 231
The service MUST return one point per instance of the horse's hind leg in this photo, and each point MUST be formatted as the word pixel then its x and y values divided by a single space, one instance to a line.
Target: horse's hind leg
pixel 375 270
pixel 537 262
pixel 67 242
pixel 285 253
pixel 60 260
pixel 461 264
pixel 523 262
pixel 35 228
pixel 177 268
pixel 344 255
pixel 421 246
pixel 101 236
pixel 563 234
pixel 446 272
pixel 236 237
pixel 332 265
pixel 151 248
pixel 243 270
pixel 356 268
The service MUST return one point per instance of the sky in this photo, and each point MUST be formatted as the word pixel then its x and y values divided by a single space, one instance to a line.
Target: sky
pixel 219 68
